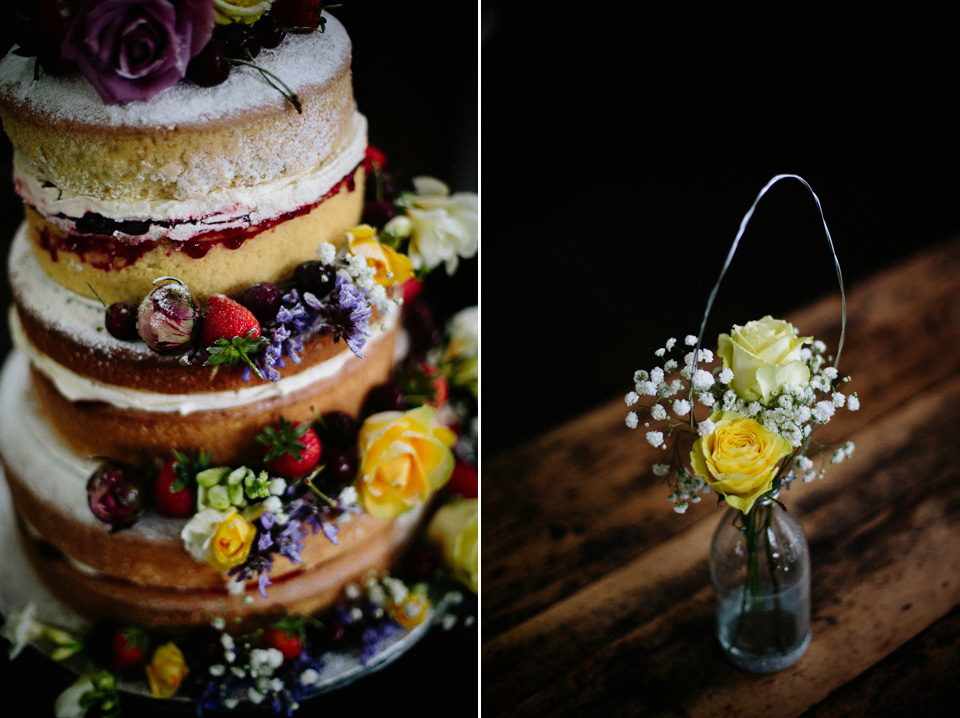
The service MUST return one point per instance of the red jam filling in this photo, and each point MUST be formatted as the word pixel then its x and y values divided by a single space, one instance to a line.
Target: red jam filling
pixel 105 252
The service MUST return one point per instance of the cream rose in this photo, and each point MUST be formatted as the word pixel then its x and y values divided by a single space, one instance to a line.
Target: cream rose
pixel 763 355
pixel 246 11
pixel 442 227
pixel 738 458
pixel 454 531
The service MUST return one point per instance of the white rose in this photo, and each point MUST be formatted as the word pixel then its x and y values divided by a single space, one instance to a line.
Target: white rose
pixel 199 531
pixel 763 355
pixel 443 227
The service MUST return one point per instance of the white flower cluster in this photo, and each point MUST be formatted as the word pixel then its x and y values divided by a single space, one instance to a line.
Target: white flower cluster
pixel 259 664
pixel 687 488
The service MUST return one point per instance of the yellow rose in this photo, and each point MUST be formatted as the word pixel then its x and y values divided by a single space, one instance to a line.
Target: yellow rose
pixel 764 355
pixel 412 611
pixel 247 11
pixel 166 671
pixel 739 458
pixel 404 458
pixel 391 267
pixel 231 542
pixel 454 531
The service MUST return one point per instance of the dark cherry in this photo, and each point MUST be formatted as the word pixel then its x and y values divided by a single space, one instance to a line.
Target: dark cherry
pixel 418 563
pixel 297 13
pixel 263 300
pixel 385 397
pixel 420 323
pixel 340 466
pixel 315 277
pixel 209 67
pixel 238 40
pixel 121 321
pixel 388 187
pixel 269 30
pixel 338 428
pixel 53 64
pixel 378 212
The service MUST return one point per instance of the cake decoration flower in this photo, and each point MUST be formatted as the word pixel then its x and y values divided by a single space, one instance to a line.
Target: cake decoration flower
pixel 441 227
pixel 231 542
pixel 245 11
pixel 391 267
pixel 114 496
pixel 167 318
pixel 166 670
pixel 404 458
pixel 345 315
pixel 98 688
pixel 454 531
pixel 22 628
pixel 460 360
pixel 130 50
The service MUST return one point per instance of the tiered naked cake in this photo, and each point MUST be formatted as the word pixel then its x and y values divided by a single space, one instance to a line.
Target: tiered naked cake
pixel 185 282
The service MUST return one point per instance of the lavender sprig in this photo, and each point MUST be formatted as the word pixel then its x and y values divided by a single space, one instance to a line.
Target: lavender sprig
pixel 283 533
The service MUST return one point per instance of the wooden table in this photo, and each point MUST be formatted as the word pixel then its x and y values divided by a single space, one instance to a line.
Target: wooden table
pixel 595 594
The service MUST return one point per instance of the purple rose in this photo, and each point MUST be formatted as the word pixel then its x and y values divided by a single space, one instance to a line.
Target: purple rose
pixel 130 50
pixel 167 317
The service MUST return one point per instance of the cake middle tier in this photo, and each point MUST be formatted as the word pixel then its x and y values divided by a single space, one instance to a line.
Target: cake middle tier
pixel 108 397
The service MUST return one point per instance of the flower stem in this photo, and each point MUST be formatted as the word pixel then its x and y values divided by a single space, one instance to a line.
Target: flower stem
pixel 272 80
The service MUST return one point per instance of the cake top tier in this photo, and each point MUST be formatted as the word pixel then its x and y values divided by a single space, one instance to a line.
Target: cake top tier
pixel 307 63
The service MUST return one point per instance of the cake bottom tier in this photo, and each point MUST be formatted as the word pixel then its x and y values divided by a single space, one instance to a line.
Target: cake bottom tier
pixel 143 574
pixel 100 597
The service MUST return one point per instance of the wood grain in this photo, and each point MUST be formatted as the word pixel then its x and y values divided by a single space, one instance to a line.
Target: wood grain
pixel 595 596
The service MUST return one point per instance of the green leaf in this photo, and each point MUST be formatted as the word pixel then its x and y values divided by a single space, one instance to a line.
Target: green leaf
pixel 234 352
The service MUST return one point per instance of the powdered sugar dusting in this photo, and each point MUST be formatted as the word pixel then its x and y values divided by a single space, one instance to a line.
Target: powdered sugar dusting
pixel 301 61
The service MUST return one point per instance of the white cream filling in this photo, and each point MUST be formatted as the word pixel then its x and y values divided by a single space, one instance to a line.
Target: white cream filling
pixel 75 387
pixel 229 208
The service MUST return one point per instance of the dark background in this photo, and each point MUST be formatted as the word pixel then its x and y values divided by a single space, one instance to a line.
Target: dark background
pixel 622 148
pixel 415 78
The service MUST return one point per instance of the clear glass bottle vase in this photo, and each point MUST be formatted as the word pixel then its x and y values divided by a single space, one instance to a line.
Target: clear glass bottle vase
pixel 760 569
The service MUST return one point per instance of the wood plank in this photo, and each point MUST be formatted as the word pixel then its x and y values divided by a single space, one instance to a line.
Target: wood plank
pixel 582 502
pixel 920 677
pixel 897 456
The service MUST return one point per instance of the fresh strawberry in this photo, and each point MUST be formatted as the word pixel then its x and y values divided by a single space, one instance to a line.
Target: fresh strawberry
pixel 411 289
pixel 293 450
pixel 225 318
pixel 441 388
pixel 423 383
pixel 173 489
pixel 373 160
pixel 231 334
pixel 464 481
pixel 129 647
pixel 287 635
